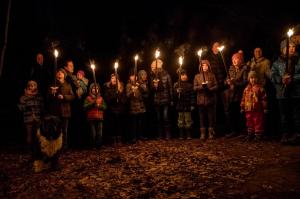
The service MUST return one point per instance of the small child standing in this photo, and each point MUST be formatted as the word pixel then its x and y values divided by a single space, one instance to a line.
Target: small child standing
pixel 254 104
pixel 95 106
pixel 83 84
pixel 31 104
pixel 186 101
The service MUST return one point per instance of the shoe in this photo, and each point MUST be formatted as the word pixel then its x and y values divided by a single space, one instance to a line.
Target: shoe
pixel 202 134
pixel 231 135
pixel 211 133
pixel 249 137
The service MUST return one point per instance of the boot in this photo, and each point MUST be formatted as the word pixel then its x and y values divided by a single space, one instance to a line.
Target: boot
pixel 258 137
pixel 294 140
pixel 284 138
pixel 211 133
pixel 249 137
pixel 119 140
pixel 168 133
pixel 202 134
pixel 181 133
pixel 188 133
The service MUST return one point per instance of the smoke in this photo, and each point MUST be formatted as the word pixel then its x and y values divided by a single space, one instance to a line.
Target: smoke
pixel 183 49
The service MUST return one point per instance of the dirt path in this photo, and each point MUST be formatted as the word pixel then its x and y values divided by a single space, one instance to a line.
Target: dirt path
pixel 162 169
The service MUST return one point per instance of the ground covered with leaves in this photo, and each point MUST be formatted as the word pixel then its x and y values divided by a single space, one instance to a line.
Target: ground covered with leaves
pixel 223 168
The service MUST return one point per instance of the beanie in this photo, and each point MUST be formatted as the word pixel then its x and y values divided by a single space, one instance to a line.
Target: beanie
pixel 252 74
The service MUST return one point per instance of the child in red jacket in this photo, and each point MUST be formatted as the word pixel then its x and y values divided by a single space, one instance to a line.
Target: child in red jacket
pixel 254 104
pixel 95 106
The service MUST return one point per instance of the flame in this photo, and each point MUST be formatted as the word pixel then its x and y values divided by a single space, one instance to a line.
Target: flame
pixel 93 66
pixel 116 65
pixel 199 52
pixel 157 53
pixel 221 48
pixel 180 60
pixel 56 53
pixel 290 32
pixel 136 57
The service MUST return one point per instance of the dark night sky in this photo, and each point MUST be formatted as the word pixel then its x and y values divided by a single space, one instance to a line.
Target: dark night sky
pixel 106 30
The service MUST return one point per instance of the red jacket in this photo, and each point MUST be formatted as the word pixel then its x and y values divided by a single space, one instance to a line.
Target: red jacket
pixel 95 107
pixel 254 99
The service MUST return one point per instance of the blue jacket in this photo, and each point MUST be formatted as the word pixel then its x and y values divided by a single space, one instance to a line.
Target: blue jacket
pixel 278 70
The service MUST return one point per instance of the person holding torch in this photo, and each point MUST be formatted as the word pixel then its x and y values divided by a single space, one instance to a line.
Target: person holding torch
pixel 286 78
pixel 115 98
pixel 205 84
pixel 162 88
pixel 185 103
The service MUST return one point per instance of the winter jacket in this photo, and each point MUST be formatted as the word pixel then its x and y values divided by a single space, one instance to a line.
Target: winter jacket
pixel 136 101
pixel 262 67
pixel 254 99
pixel 94 106
pixel 61 107
pixel 32 108
pixel 217 67
pixel 116 101
pixel 187 97
pixel 205 96
pixel 240 80
pixel 163 94
pixel 278 71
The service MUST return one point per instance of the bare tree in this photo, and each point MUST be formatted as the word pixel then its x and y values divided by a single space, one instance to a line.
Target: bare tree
pixel 5 37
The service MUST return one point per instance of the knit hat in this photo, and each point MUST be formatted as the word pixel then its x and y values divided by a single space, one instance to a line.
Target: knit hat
pixel 81 72
pixel 142 72
pixel 283 44
pixel 238 56
pixel 252 74
pixel 63 71
pixel 94 85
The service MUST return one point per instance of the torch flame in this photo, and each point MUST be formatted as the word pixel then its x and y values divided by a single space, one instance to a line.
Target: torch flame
pixel 157 53
pixel 136 57
pixel 199 52
pixel 221 48
pixel 116 65
pixel 93 66
pixel 290 32
pixel 56 53
pixel 180 60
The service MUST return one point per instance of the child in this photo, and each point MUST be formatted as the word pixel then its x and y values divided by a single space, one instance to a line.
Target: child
pixel 82 82
pixel 31 104
pixel 115 97
pixel 235 84
pixel 254 104
pixel 205 84
pixel 185 104
pixel 95 106
pixel 137 107
pixel 60 98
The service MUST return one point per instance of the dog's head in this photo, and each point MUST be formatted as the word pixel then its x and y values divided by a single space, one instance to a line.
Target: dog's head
pixel 50 127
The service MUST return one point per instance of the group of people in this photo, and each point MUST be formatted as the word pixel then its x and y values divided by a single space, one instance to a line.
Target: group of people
pixel 235 99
